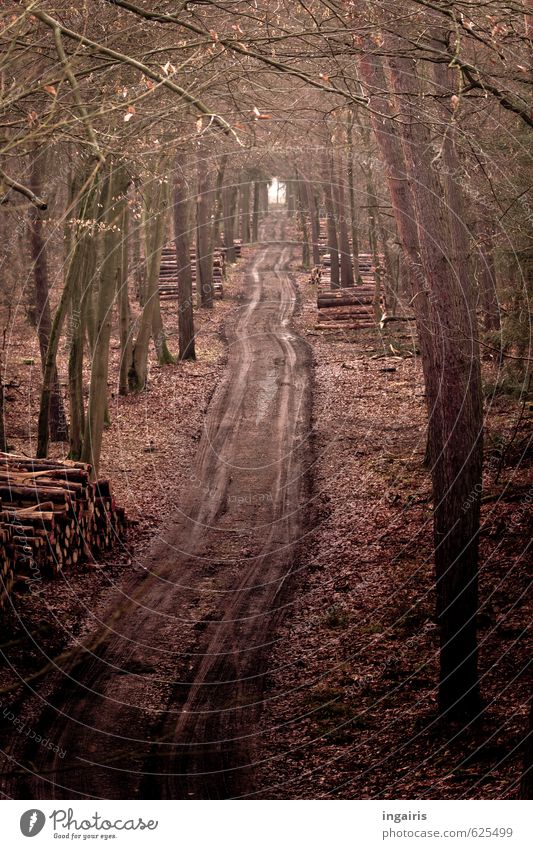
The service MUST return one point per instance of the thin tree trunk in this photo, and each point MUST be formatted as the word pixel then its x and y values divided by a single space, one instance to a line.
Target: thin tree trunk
pixel 255 213
pixel 347 278
pixel 373 240
pixel 264 198
pixel 117 184
pixel 82 285
pixel 164 356
pixel 487 276
pixel 3 442
pixel 289 198
pixel 139 265
pixel 182 206
pixel 315 224
pixel 302 206
pixel 333 244
pixel 204 236
pixel 229 197
pixel 244 206
pixel 156 207
pixel 354 217
pixel 124 310
pixel 57 422
pixel 79 268
pixel 219 209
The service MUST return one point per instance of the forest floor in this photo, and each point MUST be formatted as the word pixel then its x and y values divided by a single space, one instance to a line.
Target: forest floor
pixel 351 707
pixel 348 644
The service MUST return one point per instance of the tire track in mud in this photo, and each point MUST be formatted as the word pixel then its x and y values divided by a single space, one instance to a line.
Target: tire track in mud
pixel 163 700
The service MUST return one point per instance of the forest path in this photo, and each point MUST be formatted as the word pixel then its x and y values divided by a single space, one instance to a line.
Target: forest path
pixel 163 698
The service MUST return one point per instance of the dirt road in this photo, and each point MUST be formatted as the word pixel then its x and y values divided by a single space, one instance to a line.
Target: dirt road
pixel 163 697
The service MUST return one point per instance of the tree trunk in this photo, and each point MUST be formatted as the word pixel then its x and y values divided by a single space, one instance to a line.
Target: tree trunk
pixel 123 300
pixel 264 198
pixel 80 270
pixel 244 207
pixel 183 258
pixel 289 198
pixel 156 207
pixel 486 269
pixel 315 223
pixel 451 371
pixel 302 205
pixel 333 245
pixel 526 784
pixel 3 443
pixel 82 284
pixel 354 217
pixel 373 239
pixel 255 213
pixel 204 236
pixel 117 184
pixel 456 415
pixel 57 421
pixel 219 210
pixel 229 197
pixel 347 278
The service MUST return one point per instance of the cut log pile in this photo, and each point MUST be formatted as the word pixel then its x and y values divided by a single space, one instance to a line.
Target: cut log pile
pixel 346 309
pixel 52 516
pixel 168 272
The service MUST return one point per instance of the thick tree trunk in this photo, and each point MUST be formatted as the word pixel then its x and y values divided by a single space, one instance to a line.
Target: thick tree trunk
pixel 456 415
pixel 117 184
pixel 451 371
pixel 182 206
pixel 57 421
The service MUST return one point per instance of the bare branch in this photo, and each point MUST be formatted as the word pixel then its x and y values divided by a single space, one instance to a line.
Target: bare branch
pixel 22 190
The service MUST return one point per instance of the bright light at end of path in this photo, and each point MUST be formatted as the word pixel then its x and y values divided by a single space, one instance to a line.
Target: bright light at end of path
pixel 276 191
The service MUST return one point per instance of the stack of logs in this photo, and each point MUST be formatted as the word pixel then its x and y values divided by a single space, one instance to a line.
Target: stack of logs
pixel 52 516
pixel 350 308
pixel 168 272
